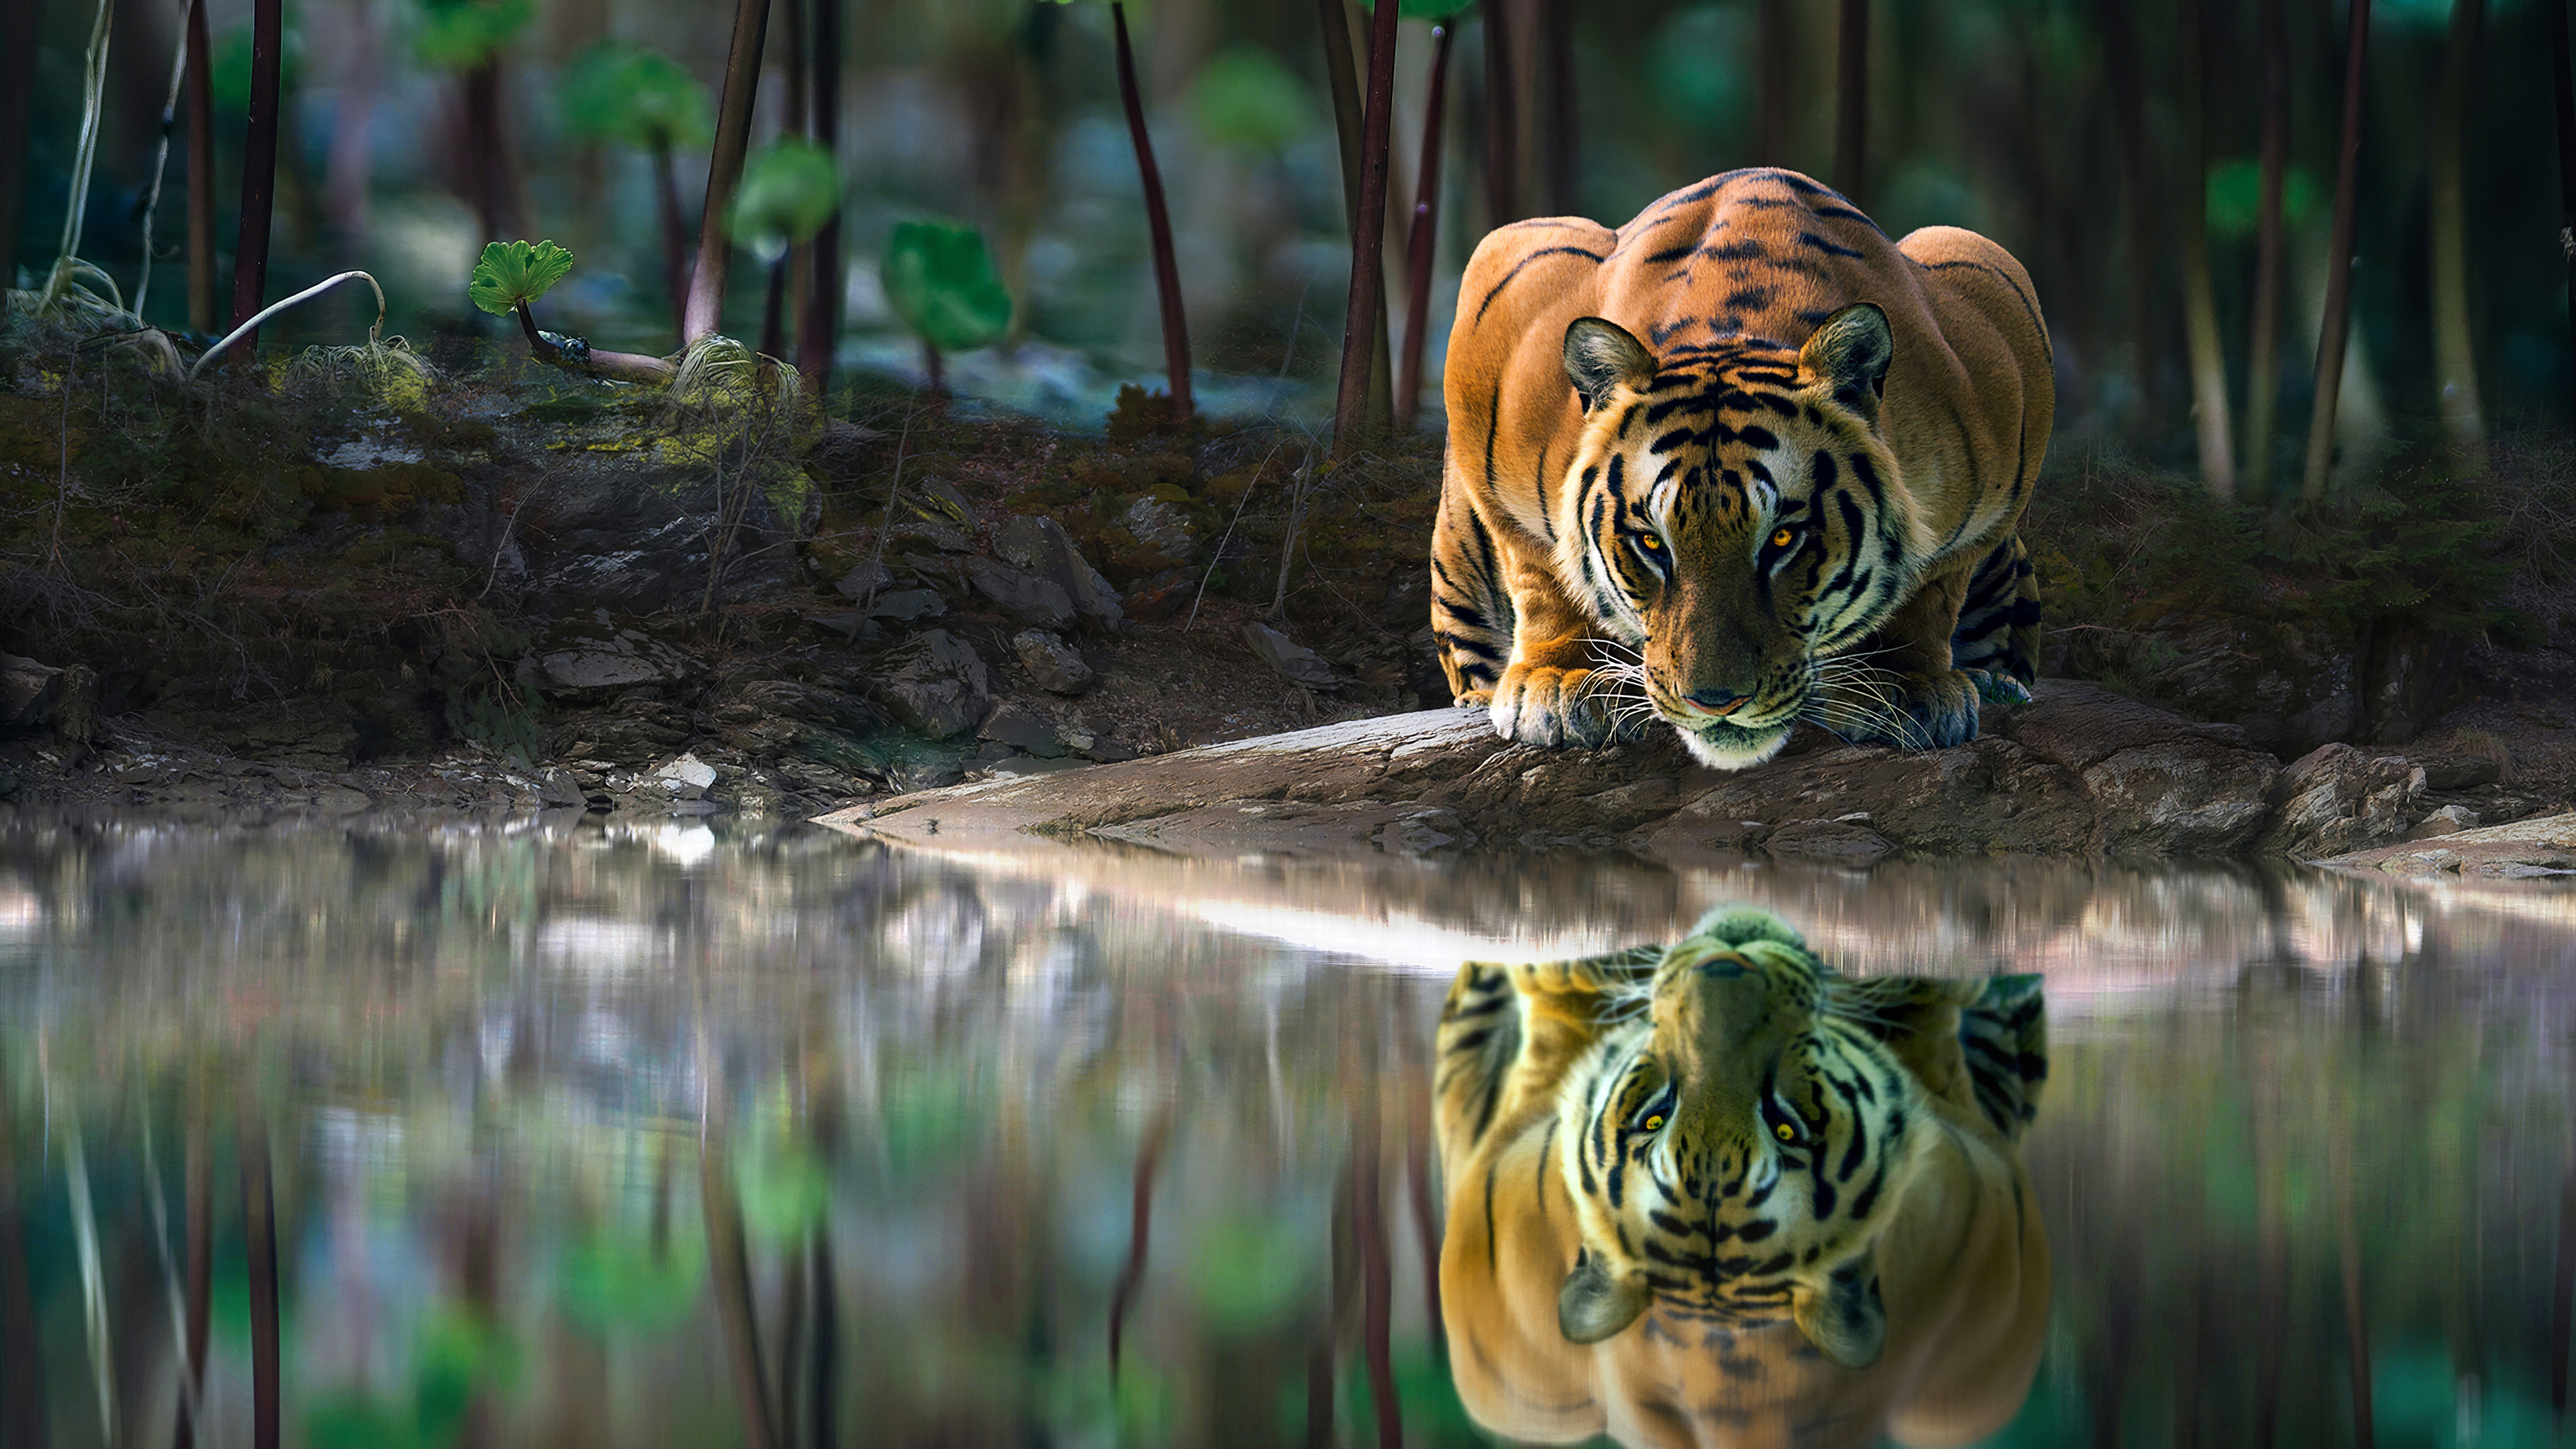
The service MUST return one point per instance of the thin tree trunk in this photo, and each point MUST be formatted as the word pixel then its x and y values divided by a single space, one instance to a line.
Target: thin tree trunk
pixel 1140 1235
pixel 729 1279
pixel 822 1378
pixel 1368 274
pixel 797 120
pixel 773 312
pixel 2137 191
pixel 201 177
pixel 1564 137
pixel 2454 358
pixel 2338 322
pixel 2263 340
pixel 703 316
pixel 1349 125
pixel 675 235
pixel 259 1224
pixel 1423 235
pixel 1158 221
pixel 1773 45
pixel 820 326
pixel 259 169
pixel 1851 103
pixel 1502 118
pixel 2565 75
pixel 1377 1285
pixel 197 1194
pixel 2199 299
pixel 23 20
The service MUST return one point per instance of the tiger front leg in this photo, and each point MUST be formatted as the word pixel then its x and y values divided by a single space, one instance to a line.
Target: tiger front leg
pixel 1551 694
pixel 1901 688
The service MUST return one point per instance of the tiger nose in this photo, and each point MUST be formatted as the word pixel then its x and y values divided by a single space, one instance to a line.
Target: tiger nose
pixel 1716 701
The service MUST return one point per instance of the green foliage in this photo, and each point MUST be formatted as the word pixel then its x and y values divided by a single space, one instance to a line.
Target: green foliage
pixel 458 1358
pixel 1694 70
pixel 785 1190
pixel 1244 99
pixel 462 34
pixel 635 97
pixel 514 272
pixel 790 188
pixel 2236 197
pixel 612 1285
pixel 1249 1272
pixel 941 281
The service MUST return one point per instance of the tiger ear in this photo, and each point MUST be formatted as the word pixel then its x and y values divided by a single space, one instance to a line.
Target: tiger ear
pixel 1594 1305
pixel 1601 355
pixel 1851 352
pixel 1846 1321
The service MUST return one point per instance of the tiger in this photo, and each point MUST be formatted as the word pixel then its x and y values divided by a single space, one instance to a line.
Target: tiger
pixel 1718 1194
pixel 1739 463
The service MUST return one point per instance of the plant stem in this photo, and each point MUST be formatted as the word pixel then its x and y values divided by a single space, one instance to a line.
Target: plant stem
pixel 259 1223
pixel 161 165
pixel 249 328
pixel 1344 77
pixel 1158 221
pixel 2338 322
pixel 259 167
pixel 2455 372
pixel 201 175
pixel 528 324
pixel 2199 300
pixel 773 312
pixel 820 325
pixel 703 315
pixel 1423 234
pixel 1368 274
pixel 2263 345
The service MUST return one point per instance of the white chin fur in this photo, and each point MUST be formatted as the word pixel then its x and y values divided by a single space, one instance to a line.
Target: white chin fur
pixel 1733 749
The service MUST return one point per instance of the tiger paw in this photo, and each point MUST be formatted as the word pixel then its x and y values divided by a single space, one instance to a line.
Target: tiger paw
pixel 1554 708
pixel 1908 711
pixel 1996 687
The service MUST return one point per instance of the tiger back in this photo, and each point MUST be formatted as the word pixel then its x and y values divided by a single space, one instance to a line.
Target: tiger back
pixel 1741 462
pixel 1716 1195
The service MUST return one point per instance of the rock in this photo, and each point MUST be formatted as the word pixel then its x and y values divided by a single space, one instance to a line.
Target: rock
pixel 1052 662
pixel 23 682
pixel 1024 596
pixel 2449 820
pixel 686 778
pixel 2335 799
pixel 594 659
pixel 906 605
pixel 1424 832
pixel 558 787
pixel 938 533
pixel 1163 528
pixel 940 494
pixel 936 685
pixel 1022 728
pixel 1160 596
pixel 869 578
pixel 1294 661
pixel 2179 800
pixel 2462 772
pixel 1041 545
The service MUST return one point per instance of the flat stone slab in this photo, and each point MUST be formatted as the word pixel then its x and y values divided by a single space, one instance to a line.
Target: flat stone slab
pixel 2540 848
pixel 2080 771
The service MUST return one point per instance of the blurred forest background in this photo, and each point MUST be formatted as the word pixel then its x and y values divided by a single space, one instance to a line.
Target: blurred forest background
pixel 2100 140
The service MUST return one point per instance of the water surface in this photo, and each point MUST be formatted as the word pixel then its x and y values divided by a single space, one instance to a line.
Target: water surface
pixel 663 1134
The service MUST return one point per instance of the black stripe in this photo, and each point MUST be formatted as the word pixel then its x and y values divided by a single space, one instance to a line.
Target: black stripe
pixel 1497 288
pixel 1830 248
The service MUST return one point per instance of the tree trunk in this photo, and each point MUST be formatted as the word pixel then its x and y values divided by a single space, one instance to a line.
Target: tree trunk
pixel 796 117
pixel 1564 136
pixel 1851 103
pixel 1773 48
pixel 1368 274
pixel 820 327
pixel 2454 358
pixel 2263 339
pixel 201 177
pixel 2566 87
pixel 259 169
pixel 729 1283
pixel 2137 192
pixel 1158 221
pixel 703 316
pixel 198 1195
pixel 2338 320
pixel 2199 300
pixel 1502 118
pixel 259 1224
pixel 1422 237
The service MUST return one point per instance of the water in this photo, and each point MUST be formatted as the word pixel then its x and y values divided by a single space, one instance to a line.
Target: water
pixel 659 1134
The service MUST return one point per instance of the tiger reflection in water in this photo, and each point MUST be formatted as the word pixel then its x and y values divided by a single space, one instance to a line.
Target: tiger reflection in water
pixel 1715 1194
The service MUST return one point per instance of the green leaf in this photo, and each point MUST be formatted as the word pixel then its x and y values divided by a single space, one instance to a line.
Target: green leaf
pixel 2236 197
pixel 462 34
pixel 789 190
pixel 635 97
pixel 610 1285
pixel 1432 9
pixel 1245 99
pixel 514 272
pixel 941 280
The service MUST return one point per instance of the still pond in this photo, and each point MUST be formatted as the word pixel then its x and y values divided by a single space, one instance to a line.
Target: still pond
pixel 667 1134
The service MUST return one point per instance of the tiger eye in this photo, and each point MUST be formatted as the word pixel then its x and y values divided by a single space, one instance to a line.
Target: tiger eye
pixel 1655 1122
pixel 1786 1132
pixel 1781 539
pixel 1650 543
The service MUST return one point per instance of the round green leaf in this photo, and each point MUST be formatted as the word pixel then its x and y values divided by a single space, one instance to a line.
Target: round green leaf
pixel 1245 99
pixel 462 34
pixel 788 191
pixel 639 98
pixel 514 272
pixel 941 281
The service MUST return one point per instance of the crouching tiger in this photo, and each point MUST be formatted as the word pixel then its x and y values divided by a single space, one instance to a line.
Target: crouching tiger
pixel 1784 482
pixel 1717 1194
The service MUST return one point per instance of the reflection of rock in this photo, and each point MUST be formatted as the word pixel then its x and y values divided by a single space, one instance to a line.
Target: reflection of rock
pixel 937 933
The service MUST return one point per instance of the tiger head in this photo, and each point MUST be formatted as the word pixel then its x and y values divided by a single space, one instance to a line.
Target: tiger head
pixel 1737 518
pixel 1736 1154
